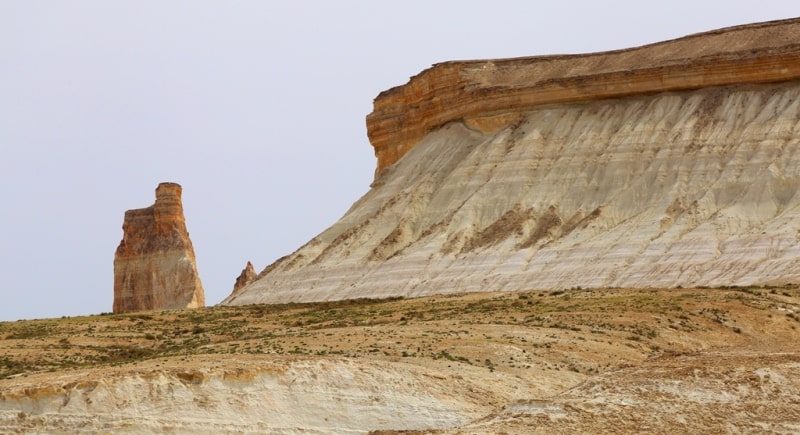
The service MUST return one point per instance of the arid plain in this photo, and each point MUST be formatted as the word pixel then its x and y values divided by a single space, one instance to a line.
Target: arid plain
pixel 653 360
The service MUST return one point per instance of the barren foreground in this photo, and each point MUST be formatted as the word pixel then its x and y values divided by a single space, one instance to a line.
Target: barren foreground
pixel 717 360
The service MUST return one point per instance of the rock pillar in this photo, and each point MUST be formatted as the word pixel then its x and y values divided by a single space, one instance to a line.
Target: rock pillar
pixel 154 266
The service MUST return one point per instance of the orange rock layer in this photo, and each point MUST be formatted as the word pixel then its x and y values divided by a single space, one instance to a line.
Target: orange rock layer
pixel 487 94
pixel 154 266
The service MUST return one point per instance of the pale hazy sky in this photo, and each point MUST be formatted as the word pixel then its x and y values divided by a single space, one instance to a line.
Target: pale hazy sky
pixel 255 107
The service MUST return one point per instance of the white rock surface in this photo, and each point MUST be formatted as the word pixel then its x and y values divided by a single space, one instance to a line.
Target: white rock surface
pixel 677 189
pixel 309 397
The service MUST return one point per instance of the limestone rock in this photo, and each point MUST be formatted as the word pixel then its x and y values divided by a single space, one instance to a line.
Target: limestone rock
pixel 247 276
pixel 487 93
pixel 690 184
pixel 154 266
pixel 251 395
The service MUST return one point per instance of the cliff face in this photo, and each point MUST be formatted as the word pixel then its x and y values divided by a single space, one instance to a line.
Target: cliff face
pixel 154 266
pixel 486 93
pixel 678 189
pixel 680 182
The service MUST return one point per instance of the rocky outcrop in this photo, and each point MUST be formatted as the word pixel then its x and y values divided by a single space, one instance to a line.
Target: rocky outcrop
pixel 486 94
pixel 154 266
pixel 719 392
pixel 665 186
pixel 250 395
pixel 247 276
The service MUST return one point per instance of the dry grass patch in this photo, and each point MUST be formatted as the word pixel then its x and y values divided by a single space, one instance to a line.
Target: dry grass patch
pixel 580 331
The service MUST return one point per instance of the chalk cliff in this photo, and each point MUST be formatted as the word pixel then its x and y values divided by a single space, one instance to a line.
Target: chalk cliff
pixel 486 93
pixel 674 164
pixel 154 266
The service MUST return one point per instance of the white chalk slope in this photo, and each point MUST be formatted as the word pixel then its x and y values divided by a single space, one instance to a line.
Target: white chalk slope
pixel 308 397
pixel 677 189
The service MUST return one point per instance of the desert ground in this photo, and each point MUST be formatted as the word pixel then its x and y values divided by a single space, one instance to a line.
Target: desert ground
pixel 617 360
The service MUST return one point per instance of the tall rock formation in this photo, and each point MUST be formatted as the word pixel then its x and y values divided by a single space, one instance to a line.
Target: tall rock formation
pixel 154 266
pixel 672 164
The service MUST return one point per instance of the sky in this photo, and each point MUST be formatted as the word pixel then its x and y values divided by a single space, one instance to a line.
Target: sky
pixel 257 108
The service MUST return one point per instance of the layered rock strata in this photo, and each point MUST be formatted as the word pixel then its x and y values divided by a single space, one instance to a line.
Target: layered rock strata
pixel 484 92
pixel 679 188
pixel 154 266
pixel 249 395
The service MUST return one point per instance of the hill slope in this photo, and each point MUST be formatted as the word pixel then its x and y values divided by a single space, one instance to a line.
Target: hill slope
pixel 674 189
pixel 672 164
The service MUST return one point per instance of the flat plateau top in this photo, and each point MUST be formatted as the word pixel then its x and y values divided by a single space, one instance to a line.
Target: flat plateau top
pixel 463 90
pixel 739 41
